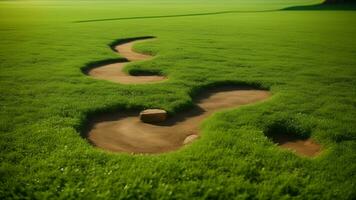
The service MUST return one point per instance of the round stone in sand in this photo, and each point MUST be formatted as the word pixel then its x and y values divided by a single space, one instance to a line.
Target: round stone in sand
pixel 153 115
pixel 190 139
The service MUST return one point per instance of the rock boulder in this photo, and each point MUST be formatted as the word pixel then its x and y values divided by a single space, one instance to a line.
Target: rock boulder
pixel 190 139
pixel 153 115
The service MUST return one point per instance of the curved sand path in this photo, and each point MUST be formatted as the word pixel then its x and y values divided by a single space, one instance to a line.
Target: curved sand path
pixel 125 132
pixel 114 72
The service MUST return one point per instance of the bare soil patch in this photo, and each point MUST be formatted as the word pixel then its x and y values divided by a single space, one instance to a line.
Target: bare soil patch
pixel 114 71
pixel 125 132
pixel 301 146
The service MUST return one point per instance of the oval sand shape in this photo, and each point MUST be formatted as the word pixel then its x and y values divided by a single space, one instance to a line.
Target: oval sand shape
pixel 301 146
pixel 114 72
pixel 125 132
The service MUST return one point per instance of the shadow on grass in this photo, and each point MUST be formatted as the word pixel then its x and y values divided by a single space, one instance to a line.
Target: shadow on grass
pixel 133 72
pixel 193 113
pixel 324 7
pixel 127 40
pixel 170 16
pixel 91 65
pixel 283 131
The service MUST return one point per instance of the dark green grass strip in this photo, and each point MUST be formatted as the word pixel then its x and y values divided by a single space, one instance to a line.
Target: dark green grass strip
pixel 324 7
pixel 169 16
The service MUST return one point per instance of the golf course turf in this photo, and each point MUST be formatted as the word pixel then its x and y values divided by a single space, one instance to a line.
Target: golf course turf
pixel 300 53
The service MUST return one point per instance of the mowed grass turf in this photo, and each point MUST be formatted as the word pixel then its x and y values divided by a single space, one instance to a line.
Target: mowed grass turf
pixel 307 59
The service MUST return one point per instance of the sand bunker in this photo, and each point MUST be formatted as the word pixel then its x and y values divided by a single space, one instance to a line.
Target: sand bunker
pixel 124 132
pixel 303 147
pixel 114 72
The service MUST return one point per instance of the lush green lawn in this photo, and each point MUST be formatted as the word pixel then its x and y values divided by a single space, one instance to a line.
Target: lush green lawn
pixel 306 58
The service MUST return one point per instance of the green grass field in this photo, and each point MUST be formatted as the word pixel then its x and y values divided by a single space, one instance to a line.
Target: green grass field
pixel 306 57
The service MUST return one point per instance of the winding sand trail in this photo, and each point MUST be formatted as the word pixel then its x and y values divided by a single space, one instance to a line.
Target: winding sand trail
pixel 125 132
pixel 114 72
